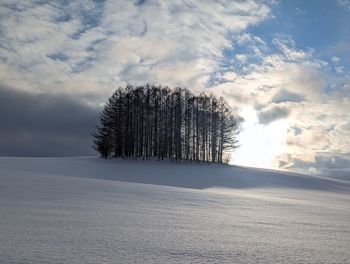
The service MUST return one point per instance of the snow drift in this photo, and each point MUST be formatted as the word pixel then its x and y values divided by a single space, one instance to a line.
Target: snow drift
pixel 87 210
pixel 189 175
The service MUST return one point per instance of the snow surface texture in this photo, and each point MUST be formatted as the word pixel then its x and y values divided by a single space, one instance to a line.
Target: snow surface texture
pixel 87 210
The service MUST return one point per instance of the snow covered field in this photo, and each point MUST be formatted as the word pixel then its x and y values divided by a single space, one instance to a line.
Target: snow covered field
pixel 87 210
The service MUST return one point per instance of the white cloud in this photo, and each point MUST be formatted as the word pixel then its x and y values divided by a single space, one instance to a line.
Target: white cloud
pixel 290 84
pixel 50 45
pixel 344 3
pixel 287 47
pixel 335 59
pixel 88 48
pixel 272 113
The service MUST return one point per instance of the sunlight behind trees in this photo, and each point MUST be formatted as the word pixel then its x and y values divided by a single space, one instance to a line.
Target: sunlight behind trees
pixel 155 121
pixel 259 144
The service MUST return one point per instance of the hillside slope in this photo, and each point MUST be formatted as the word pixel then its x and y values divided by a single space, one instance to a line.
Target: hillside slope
pixel 87 210
pixel 189 175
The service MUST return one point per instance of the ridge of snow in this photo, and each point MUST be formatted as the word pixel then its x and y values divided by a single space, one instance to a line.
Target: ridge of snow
pixel 187 175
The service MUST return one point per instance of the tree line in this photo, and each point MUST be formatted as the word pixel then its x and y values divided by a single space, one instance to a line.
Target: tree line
pixel 155 121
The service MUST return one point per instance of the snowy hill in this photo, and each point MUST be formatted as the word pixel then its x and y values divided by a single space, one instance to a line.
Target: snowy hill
pixel 188 175
pixel 87 210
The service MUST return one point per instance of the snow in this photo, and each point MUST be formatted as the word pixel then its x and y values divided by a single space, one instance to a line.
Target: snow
pixel 87 210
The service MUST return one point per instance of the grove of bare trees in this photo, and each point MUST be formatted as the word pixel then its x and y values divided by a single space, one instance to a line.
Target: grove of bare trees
pixel 155 121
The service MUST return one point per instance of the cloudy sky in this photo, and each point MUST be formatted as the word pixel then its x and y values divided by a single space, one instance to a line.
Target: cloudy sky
pixel 283 65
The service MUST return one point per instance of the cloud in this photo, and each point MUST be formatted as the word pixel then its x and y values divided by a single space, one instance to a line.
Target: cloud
pixel 285 96
pixel 75 53
pixel 330 165
pixel 72 55
pixel 109 43
pixel 335 59
pixel 272 114
pixel 287 46
pixel 44 124
pixel 320 146
pixel 344 3
pixel 289 84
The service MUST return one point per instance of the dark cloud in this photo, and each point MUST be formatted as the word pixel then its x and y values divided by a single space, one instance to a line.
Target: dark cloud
pixel 332 162
pixel 274 113
pixel 44 124
pixel 335 166
pixel 140 2
pixel 296 130
pixel 285 96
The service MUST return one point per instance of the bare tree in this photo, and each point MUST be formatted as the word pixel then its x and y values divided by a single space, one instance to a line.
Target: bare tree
pixel 155 121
